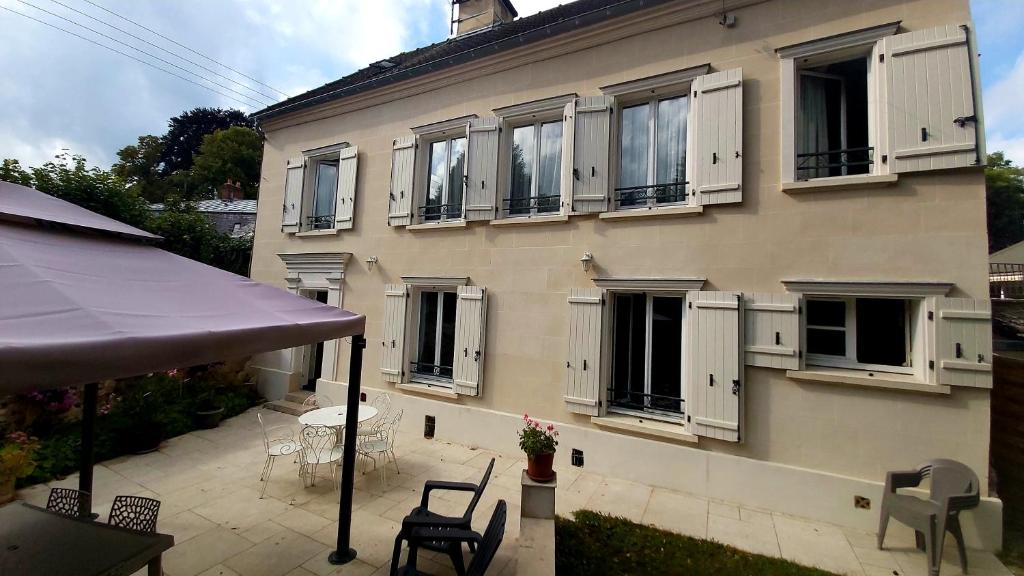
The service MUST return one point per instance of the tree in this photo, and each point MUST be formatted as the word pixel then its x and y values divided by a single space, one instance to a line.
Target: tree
pixel 139 166
pixel 1004 185
pixel 185 134
pixel 232 154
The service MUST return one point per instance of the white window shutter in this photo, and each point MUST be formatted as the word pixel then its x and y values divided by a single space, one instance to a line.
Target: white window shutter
pixel 583 368
pixel 345 203
pixel 470 336
pixel 482 169
pixel 963 340
pixel 771 334
pixel 403 168
pixel 392 357
pixel 292 210
pixel 716 114
pixel 568 131
pixel 590 154
pixel 714 396
pixel 930 93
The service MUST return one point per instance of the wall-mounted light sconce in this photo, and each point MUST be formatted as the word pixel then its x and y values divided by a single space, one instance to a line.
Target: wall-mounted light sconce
pixel 370 262
pixel 587 260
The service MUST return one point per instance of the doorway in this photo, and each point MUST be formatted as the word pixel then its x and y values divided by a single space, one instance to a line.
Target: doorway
pixel 314 352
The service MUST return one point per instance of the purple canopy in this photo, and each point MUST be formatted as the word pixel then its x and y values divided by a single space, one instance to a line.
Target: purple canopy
pixel 84 298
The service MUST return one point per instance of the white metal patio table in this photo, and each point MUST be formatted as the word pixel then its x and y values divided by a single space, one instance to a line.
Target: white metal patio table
pixel 334 416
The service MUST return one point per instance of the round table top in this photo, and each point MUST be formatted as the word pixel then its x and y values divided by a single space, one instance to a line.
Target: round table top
pixel 334 415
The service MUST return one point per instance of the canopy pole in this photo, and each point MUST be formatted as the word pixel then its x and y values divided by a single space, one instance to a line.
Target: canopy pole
pixel 344 553
pixel 87 455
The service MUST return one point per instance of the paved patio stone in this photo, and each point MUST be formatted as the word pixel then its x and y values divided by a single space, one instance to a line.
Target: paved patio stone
pixel 201 553
pixel 276 555
pixel 749 536
pixel 680 513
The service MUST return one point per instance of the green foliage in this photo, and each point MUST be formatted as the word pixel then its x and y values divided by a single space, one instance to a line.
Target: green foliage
pixel 1004 184
pixel 535 438
pixel 139 167
pixel 17 456
pixel 232 154
pixel 188 233
pixel 596 545
pixel 185 134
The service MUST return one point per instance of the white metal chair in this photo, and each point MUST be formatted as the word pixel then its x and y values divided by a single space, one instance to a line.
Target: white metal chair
pixel 383 443
pixel 278 441
pixel 383 405
pixel 319 446
pixel 317 401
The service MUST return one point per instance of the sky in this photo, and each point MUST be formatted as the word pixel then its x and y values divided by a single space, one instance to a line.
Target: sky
pixel 59 92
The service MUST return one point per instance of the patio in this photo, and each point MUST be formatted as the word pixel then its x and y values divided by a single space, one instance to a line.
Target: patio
pixel 208 484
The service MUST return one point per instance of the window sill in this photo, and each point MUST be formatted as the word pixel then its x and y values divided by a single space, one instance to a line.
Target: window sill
pixel 662 212
pixel 839 183
pixel 312 233
pixel 437 225
pixel 428 390
pixel 901 382
pixel 644 427
pixel 528 220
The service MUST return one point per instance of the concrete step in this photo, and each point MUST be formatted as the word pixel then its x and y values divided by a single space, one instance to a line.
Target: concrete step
pixel 288 407
pixel 298 396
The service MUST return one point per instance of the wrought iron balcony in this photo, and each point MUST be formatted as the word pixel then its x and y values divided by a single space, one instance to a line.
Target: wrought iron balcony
pixel 430 212
pixel 322 222
pixel 435 370
pixel 634 196
pixel 669 405
pixel 846 160
pixel 531 204
pixel 1006 281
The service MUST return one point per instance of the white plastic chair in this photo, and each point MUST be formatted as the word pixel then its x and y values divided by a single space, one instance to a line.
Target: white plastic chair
pixel 278 441
pixel 383 405
pixel 383 443
pixel 319 446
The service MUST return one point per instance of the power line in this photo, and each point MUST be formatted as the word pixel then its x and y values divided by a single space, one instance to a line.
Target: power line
pixel 175 42
pixel 158 47
pixel 155 57
pixel 125 54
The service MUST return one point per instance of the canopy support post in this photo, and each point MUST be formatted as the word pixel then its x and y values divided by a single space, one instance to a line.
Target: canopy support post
pixel 87 455
pixel 344 553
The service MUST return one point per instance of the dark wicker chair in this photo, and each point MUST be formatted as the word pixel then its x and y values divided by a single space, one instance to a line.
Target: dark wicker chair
pixel 66 501
pixel 453 538
pixel 135 513
pixel 422 518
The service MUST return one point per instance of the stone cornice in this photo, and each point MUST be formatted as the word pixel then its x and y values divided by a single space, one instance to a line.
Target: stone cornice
pixel 446 281
pixel 651 284
pixel 323 262
pixel 899 288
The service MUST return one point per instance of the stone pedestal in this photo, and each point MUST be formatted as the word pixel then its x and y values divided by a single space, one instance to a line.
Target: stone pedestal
pixel 538 499
pixel 536 556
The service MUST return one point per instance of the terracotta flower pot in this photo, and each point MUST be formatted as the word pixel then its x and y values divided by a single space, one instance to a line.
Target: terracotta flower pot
pixel 6 490
pixel 538 467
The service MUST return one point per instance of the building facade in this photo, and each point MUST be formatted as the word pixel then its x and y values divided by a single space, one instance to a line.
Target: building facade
pixel 733 249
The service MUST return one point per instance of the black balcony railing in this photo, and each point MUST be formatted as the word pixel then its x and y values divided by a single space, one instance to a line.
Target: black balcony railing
pixel 523 206
pixel 632 196
pixel 430 212
pixel 323 222
pixel 1006 281
pixel 435 370
pixel 834 162
pixel 646 402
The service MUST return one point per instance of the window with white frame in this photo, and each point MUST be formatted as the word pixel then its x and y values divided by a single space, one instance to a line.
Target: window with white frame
pixel 832 127
pixel 446 180
pixel 652 152
pixel 435 337
pixel 323 186
pixel 648 360
pixel 535 169
pixel 878 334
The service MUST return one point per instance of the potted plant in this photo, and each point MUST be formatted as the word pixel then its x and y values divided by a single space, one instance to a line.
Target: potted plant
pixel 143 429
pixel 209 410
pixel 539 442
pixel 16 461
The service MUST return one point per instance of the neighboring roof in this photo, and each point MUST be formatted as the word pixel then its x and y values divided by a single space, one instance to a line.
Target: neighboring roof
pixel 461 49
pixel 1012 254
pixel 508 6
pixel 80 307
pixel 22 203
pixel 242 206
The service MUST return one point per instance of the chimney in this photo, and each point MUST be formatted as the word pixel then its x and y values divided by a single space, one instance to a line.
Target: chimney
pixel 481 14
pixel 231 191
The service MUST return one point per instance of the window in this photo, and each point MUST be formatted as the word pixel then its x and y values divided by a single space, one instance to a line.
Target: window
pixel 862 333
pixel 536 164
pixel 648 335
pixel 435 337
pixel 446 180
pixel 652 153
pixel 325 193
pixel 832 134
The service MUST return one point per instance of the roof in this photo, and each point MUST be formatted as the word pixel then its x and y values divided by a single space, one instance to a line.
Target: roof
pixel 240 206
pixel 20 203
pixel 461 49
pixel 507 3
pixel 1012 254
pixel 82 307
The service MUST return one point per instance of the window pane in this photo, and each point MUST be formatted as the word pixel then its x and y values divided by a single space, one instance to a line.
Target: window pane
pixel 522 169
pixel 549 179
pixel 456 177
pixel 666 352
pixel 826 313
pixel 634 154
pixel 435 190
pixel 326 187
pixel 671 148
pixel 828 342
pixel 628 351
pixel 448 333
pixel 882 331
pixel 426 340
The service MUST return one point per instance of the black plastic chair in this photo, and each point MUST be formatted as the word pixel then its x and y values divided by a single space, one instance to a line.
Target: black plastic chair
pixel 421 517
pixel 452 540
pixel 66 501
pixel 135 513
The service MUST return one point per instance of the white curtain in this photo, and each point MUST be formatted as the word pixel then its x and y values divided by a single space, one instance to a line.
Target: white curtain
pixel 812 135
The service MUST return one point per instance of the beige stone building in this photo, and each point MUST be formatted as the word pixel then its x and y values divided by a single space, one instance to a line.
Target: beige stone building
pixel 732 248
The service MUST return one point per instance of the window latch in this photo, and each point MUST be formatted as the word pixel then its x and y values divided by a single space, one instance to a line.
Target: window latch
pixel 711 380
pixel 576 173
pixel 584 364
pixel 714 157
pixel 778 339
pixel 959 350
pixel 593 171
pixel 924 134
pixel 963 120
pixel 392 343
pixel 465 352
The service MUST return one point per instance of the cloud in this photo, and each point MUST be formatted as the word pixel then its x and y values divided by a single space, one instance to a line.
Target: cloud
pixel 1004 124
